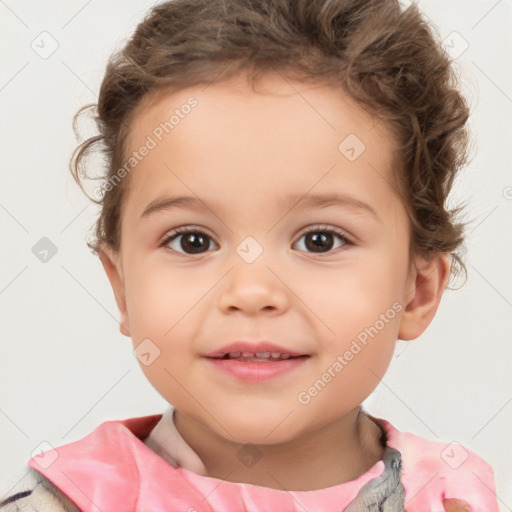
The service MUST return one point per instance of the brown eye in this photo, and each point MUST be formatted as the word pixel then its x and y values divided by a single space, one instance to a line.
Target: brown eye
pixel 188 241
pixel 322 240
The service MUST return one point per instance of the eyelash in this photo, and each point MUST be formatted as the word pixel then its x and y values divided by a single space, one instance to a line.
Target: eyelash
pixel 314 229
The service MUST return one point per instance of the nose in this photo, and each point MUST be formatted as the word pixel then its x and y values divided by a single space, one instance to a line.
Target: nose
pixel 253 288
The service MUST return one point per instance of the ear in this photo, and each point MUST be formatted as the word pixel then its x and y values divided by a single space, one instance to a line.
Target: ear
pixel 426 285
pixel 111 262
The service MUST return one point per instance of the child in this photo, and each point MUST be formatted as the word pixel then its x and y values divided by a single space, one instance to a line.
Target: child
pixel 263 130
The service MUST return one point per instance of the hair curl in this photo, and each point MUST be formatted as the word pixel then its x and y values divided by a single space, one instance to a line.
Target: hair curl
pixel 389 59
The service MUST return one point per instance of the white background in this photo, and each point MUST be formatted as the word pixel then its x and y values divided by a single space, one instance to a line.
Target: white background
pixel 65 368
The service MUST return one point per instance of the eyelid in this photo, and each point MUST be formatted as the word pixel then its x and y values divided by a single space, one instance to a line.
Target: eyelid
pixel 181 230
pixel 332 229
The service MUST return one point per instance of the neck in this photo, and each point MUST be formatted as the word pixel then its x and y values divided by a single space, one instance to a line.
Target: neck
pixel 333 454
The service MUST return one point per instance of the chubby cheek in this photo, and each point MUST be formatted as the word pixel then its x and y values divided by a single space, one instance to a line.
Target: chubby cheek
pixel 359 314
pixel 355 300
pixel 160 301
pixel 165 322
pixel 164 310
pixel 352 365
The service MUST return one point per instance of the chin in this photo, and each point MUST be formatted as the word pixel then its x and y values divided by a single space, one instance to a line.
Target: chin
pixel 255 427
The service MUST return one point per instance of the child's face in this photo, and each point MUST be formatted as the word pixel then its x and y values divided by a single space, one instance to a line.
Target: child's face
pixel 243 156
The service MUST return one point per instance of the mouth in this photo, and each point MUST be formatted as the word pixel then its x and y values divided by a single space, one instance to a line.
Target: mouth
pixel 255 362
pixel 254 351
pixel 252 368
pixel 259 357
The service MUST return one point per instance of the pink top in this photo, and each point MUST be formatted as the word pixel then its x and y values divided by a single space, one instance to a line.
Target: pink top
pixel 121 467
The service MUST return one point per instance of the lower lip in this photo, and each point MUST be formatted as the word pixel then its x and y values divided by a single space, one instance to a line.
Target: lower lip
pixel 257 371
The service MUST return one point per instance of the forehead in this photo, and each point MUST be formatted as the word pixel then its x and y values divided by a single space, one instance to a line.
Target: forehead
pixel 320 105
pixel 227 137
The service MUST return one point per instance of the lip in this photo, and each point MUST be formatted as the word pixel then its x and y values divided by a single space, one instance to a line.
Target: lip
pixel 252 347
pixel 250 371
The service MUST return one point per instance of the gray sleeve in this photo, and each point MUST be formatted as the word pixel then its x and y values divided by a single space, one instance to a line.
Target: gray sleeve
pixel 41 496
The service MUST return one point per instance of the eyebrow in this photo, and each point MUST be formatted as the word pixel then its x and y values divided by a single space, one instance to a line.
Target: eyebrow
pixel 292 201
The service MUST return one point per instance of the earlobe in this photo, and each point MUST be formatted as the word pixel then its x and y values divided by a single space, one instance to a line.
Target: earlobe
pixel 429 281
pixel 111 262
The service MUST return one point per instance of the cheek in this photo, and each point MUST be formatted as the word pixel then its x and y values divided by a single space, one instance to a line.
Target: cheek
pixel 163 307
pixel 160 299
pixel 350 298
pixel 359 315
pixel 354 361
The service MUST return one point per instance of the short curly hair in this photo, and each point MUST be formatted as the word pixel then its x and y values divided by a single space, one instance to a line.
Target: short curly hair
pixel 386 57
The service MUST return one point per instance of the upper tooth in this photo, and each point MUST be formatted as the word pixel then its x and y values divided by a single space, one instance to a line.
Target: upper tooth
pixel 274 355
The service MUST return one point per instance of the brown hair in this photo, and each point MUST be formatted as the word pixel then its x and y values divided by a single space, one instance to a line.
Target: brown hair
pixel 387 58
